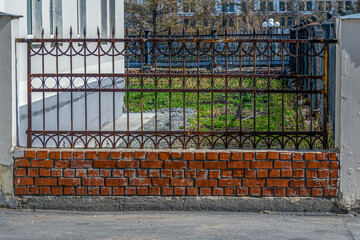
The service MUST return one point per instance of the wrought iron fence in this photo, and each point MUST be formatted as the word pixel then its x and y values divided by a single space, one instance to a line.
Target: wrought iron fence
pixel 82 93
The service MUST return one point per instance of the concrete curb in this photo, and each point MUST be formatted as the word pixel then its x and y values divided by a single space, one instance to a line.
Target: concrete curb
pixel 136 203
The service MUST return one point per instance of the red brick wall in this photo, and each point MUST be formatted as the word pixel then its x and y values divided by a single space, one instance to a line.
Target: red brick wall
pixel 171 173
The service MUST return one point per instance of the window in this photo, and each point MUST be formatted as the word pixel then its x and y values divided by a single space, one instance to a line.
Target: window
pixel 328 6
pixel 282 21
pixel 309 6
pixel 271 6
pixel 290 22
pixel 282 6
pixel 302 6
pixel 348 6
pixel 321 6
pixel 232 7
pixel 56 17
pixel 29 17
pixel 81 17
pixel 262 6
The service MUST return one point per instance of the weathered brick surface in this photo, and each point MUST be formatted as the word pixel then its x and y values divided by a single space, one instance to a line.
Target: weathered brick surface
pixel 167 173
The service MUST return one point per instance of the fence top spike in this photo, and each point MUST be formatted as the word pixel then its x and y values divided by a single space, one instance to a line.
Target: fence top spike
pixel 71 32
pixel 197 33
pixel 154 32
pixel 183 31
pixel 226 32
pixel 42 33
pixel 169 31
pixel 126 32
pixel 56 32
pixel 84 32
pixel 98 32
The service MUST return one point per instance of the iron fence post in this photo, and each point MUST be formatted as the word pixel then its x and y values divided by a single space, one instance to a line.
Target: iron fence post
pixel 147 48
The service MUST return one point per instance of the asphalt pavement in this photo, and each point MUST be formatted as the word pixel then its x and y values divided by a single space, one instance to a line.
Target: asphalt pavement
pixel 30 224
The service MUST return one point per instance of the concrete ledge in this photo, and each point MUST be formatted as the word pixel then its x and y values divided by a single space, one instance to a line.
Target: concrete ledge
pixel 136 203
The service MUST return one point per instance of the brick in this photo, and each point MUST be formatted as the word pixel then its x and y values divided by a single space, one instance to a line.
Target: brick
pixel 297 183
pixel 334 173
pixel 160 182
pixel 166 173
pixel 175 164
pixel 200 156
pixel 22 163
pixel 299 165
pixel 30 154
pixel 42 163
pixel 285 156
pixel 235 182
pixel 313 164
pixel 115 156
pixel 317 192
pixel 105 172
pixel 142 191
pixel 250 173
pixel 309 156
pixel 280 192
pixel 80 172
pixel 334 183
pixel 93 182
pixel 324 165
pixel 104 163
pixel 166 191
pixel 334 165
pixel 118 173
pixel 255 192
pixel 69 182
pixel 56 172
pixel 81 191
pixel 215 165
pixel 333 156
pixel 242 191
pixel 69 190
pixel 237 156
pixel 55 155
pixel 282 164
pixel 331 192
pixel 254 182
pixel 140 155
pixel 20 172
pixel 154 173
pixel 178 173
pixel 218 191
pixel 154 191
pixel 61 164
pixel 321 156
pixel 142 173
pixel 116 182
pixel 182 182
pixel 262 173
pixel 311 173
pixel 202 174
pixel 286 173
pixel 229 191
pixel 298 173
pixel 128 155
pixel 42 155
pixel 20 190
pixel 164 156
pixel 91 155
pixel 317 183
pixel 118 191
pixel 196 165
pixel 205 183
pixel 249 156
pixel 69 172
pixel 190 174
pixel 152 156
pixel 24 181
pixel 81 164
pixel 33 172
pixel 128 164
pixel 45 172
pixel 178 155
pixel 66 155
pixel 214 173
pixel 93 191
pixel 323 174
pixel 273 155
pixel 292 192
pixel 212 156
pixel 44 190
pixel 192 191
pixel 274 173
pixel 277 182
pixel 140 182
pixel 152 164
pixel 205 191
pixel 188 156
pixel 261 164
pixel 93 173
pixel 304 192
pixel 267 192
pixel 239 172
pixel 45 181
pixel 239 164
pixel 56 190
pixel 179 191
pixel 297 156
pixel 79 155
pixel 103 155
pixel 33 190
pixel 224 156
pixel 261 156
pixel 226 173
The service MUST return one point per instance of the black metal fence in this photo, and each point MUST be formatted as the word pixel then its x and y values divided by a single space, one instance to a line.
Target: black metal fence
pixel 238 99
